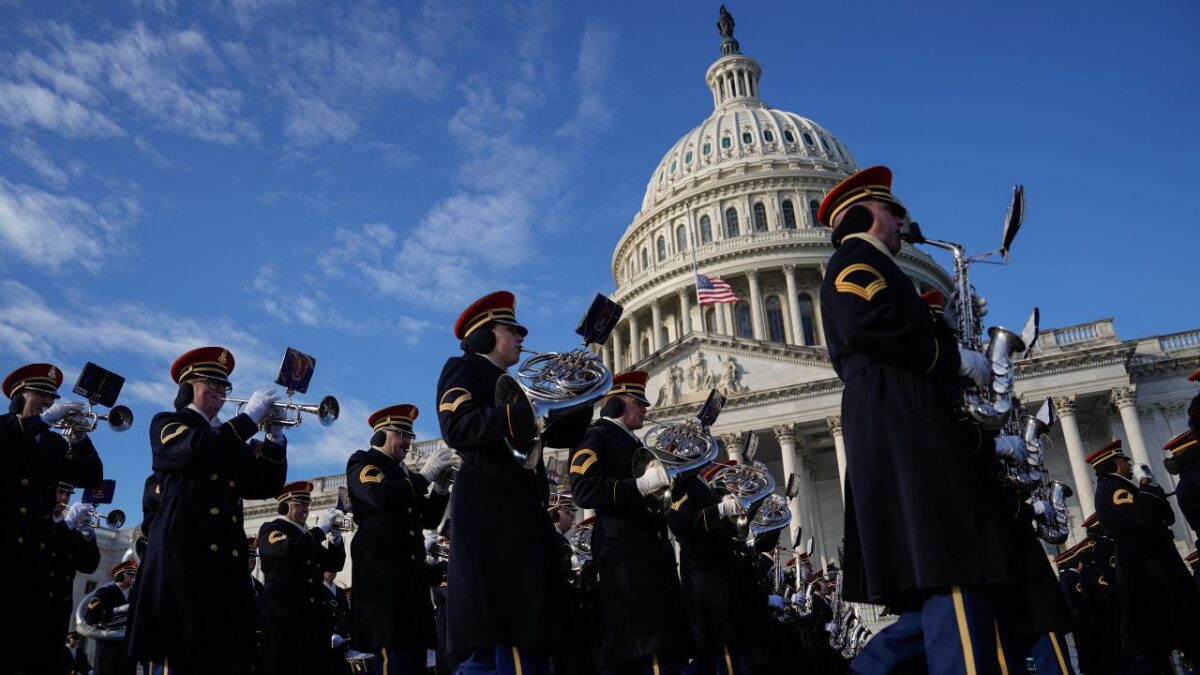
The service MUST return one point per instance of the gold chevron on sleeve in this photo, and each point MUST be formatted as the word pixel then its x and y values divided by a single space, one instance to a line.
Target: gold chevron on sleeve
pixel 1122 496
pixel 172 431
pixel 866 292
pixel 370 474
pixel 276 537
pixel 453 398
pixel 589 458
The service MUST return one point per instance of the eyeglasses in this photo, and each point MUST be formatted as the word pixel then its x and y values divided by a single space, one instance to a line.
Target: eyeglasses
pixel 897 210
pixel 217 385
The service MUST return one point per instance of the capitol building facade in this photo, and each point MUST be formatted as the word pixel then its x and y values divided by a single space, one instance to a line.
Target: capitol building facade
pixel 737 197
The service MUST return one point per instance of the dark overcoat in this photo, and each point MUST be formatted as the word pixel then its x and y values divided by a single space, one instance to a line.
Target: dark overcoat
pixel 192 603
pixel 715 590
pixel 1033 603
pixel 35 460
pixel 392 603
pixel 505 583
pixel 73 552
pixel 296 626
pixel 110 654
pixel 914 520
pixel 1187 491
pixel 642 595
pixel 1160 606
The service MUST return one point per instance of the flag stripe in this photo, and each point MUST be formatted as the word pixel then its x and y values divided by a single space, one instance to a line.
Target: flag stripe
pixel 711 290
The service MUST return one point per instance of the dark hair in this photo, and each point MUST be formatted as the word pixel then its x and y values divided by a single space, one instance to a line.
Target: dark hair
pixel 184 396
pixel 481 341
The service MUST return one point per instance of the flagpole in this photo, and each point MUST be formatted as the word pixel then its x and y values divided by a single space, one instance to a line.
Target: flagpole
pixel 696 279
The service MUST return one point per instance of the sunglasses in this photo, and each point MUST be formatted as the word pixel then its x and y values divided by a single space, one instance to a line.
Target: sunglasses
pixel 897 210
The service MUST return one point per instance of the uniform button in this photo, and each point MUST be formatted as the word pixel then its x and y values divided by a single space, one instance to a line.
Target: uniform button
pixel 310 600
pixel 214 510
pixel 310 580
pixel 41 545
pixel 23 510
pixel 232 484
pixel 411 533
pixel 24 481
pixel 233 518
pixel 212 476
pixel 410 509
pixel 20 540
pixel 212 547
pixel 236 553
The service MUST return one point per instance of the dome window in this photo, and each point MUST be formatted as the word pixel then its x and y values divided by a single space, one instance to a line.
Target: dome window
pixel 742 320
pixel 707 149
pixel 813 207
pixel 726 143
pixel 775 327
pixel 789 215
pixel 661 246
pixel 808 323
pixel 705 230
pixel 674 164
pixel 747 138
pixel 731 222
pixel 687 159
pixel 680 238
pixel 760 217
pixel 789 136
pixel 768 136
pixel 807 138
pixel 824 143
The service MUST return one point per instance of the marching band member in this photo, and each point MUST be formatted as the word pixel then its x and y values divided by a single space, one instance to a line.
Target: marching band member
pixel 917 540
pixel 337 606
pixel 642 596
pixel 1184 461
pixel 36 459
pixel 393 609
pixel 505 580
pixel 296 630
pixel 194 612
pixel 74 550
pixel 714 589
pixel 1160 607
pixel 108 602
pixel 75 660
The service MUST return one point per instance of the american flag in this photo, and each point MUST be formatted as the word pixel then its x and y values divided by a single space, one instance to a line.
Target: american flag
pixel 712 291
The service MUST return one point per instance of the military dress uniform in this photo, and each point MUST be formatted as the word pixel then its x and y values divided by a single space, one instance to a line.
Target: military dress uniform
pixel 642 596
pixel 193 610
pixel 1184 452
pixel 337 609
pixel 1160 607
pixel 109 601
pixel 716 598
pixel 294 557
pixel 917 536
pixel 75 660
pixel 73 551
pixel 36 459
pixel 393 608
pixel 505 582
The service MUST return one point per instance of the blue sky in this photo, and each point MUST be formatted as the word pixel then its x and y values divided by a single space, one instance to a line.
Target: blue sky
pixel 343 178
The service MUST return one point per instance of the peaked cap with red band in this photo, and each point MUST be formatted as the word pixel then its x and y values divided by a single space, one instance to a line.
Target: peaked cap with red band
pixel 1106 453
pixel 299 491
pixel 395 417
pixel 214 363
pixel 936 301
pixel 1192 558
pixel 633 383
pixel 127 566
pixel 45 378
pixel 1181 443
pixel 871 183
pixel 1194 377
pixel 498 307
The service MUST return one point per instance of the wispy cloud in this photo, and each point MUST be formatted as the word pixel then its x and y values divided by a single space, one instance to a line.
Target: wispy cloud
pixel 26 104
pixel 25 149
pixel 596 53
pixel 52 231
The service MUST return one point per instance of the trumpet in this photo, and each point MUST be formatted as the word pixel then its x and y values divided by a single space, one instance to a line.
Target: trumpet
pixel 417 454
pixel 327 411
pixel 82 419
pixel 343 521
pixel 113 520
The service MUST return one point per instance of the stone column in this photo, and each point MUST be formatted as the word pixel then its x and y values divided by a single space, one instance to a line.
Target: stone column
pixel 606 356
pixel 618 353
pixel 685 312
pixel 655 326
pixel 1064 407
pixel 834 422
pixel 733 446
pixel 635 340
pixel 786 436
pixel 1125 398
pixel 726 311
pixel 789 276
pixel 756 307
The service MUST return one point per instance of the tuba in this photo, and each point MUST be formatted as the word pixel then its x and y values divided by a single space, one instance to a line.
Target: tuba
pixel 557 384
pixel 112 630
pixel 989 408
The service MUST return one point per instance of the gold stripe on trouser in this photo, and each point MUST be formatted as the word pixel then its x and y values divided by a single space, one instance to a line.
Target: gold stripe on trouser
pixel 383 650
pixel 1058 653
pixel 728 660
pixel 964 634
pixel 1000 651
pixel 655 662
pixel 517 659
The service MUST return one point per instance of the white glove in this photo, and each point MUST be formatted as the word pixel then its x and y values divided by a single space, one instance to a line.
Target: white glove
pixel 441 486
pixel 653 479
pixel 1141 473
pixel 78 513
pixel 59 410
pixel 275 434
pixel 259 403
pixel 775 601
pixel 975 366
pixel 730 507
pixel 336 641
pixel 1042 508
pixel 1011 448
pixel 431 538
pixel 326 520
pixel 86 530
pixel 435 463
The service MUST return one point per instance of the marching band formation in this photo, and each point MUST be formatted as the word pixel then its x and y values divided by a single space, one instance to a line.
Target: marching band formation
pixel 472 552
